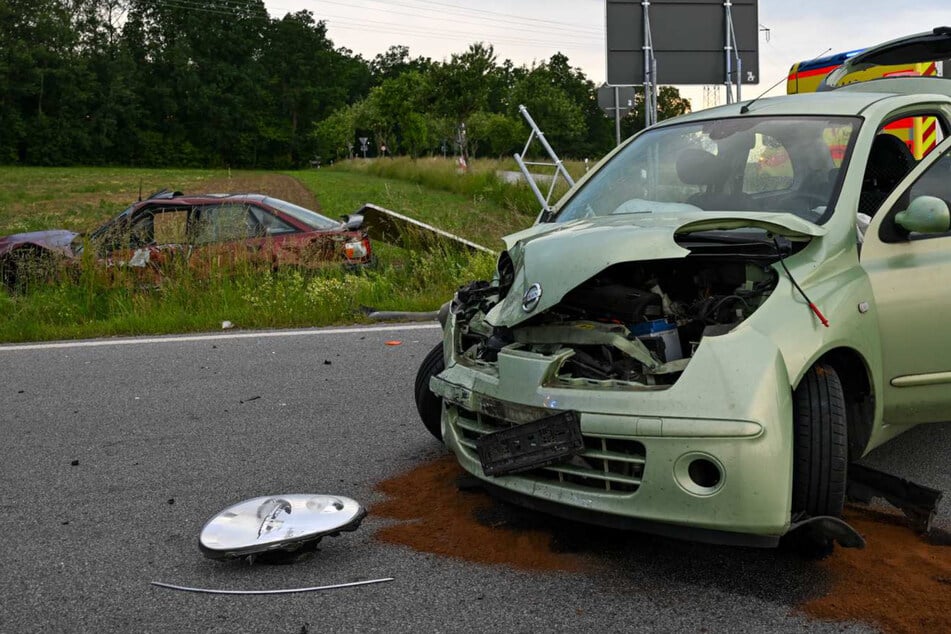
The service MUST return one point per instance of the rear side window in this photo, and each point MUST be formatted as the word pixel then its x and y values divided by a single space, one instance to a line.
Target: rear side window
pixel 270 225
pixel 169 226
pixel 222 223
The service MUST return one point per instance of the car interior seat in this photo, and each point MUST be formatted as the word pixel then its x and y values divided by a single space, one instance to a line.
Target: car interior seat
pixel 701 168
pixel 888 162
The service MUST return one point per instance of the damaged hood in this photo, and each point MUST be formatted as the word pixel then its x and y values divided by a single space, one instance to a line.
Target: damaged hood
pixel 54 240
pixel 552 259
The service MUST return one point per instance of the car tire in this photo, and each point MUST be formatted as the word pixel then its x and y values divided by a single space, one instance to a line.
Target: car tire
pixel 428 404
pixel 820 452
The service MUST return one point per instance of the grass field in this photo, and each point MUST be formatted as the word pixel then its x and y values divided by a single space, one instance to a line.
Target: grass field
pixel 90 301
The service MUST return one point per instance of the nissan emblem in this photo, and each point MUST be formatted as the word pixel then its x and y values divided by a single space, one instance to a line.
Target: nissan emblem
pixel 531 297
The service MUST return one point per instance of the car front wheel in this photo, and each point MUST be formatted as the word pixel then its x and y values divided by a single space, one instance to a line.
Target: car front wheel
pixel 428 404
pixel 820 453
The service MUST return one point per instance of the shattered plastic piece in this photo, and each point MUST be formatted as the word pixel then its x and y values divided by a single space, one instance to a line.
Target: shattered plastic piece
pixel 140 258
pixel 227 325
pixel 394 342
pixel 279 528
pixel 170 586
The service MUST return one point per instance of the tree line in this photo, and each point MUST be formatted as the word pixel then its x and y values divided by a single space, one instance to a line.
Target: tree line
pixel 206 83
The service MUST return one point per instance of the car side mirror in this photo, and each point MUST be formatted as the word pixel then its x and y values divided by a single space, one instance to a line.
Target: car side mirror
pixel 925 214
pixel 353 221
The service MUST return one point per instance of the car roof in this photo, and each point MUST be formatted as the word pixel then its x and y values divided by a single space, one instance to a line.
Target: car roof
pixel 850 100
pixel 204 198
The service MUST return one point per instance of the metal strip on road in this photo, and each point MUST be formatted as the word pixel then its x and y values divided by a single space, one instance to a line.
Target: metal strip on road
pixel 235 335
pixel 170 586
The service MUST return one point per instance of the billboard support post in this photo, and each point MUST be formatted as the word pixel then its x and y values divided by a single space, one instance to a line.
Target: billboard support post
pixel 728 50
pixel 650 67
pixel 617 115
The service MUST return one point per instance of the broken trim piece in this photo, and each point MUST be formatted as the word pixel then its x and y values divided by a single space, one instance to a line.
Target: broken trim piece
pixel 829 527
pixel 388 226
pixel 918 503
pixel 170 586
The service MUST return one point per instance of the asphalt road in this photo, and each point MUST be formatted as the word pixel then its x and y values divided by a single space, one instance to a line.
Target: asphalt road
pixel 167 432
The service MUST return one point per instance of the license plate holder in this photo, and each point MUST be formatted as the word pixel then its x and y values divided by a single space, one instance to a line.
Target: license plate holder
pixel 531 445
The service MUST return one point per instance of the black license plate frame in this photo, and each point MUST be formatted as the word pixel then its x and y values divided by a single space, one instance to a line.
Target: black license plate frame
pixel 531 445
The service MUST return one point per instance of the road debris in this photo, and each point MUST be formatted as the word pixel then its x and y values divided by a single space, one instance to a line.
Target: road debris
pixel 394 342
pixel 398 315
pixel 352 584
pixel 227 325
pixel 279 528
pixel 389 226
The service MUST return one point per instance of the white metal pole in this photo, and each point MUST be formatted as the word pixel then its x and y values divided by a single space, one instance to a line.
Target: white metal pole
pixel 728 50
pixel 617 114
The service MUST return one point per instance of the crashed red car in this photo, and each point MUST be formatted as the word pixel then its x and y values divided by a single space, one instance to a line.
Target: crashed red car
pixel 226 226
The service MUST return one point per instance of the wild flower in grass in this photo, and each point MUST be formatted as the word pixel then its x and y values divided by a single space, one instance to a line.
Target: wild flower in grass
pixel 330 294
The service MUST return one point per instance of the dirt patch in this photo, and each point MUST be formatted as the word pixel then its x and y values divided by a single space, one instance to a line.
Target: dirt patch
pixel 276 185
pixel 437 517
pixel 901 582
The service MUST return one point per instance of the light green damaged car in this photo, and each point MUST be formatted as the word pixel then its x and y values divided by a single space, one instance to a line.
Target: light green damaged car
pixel 710 327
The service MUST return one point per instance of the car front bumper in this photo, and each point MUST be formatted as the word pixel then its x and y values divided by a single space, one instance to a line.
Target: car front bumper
pixel 709 458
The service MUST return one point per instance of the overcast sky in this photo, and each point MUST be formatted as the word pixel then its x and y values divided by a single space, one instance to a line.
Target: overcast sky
pixel 533 30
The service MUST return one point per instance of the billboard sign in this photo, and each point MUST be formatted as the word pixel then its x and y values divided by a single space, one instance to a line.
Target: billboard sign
pixel 688 38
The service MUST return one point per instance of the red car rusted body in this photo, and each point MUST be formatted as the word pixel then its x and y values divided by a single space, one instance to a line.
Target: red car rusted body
pixel 225 227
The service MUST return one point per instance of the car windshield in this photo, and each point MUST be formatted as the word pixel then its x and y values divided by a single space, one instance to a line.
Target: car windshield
pixel 758 164
pixel 310 218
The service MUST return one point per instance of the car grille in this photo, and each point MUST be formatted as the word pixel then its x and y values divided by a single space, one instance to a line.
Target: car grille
pixel 607 465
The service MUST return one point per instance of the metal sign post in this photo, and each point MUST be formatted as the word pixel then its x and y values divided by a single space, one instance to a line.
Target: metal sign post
pixel 616 101
pixel 650 70
pixel 731 50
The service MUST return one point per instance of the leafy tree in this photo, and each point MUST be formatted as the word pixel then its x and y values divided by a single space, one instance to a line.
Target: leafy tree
pixel 558 116
pixel 396 107
pixel 215 82
pixel 669 104
pixel 335 135
pixel 464 85
pixel 396 61
pixel 497 133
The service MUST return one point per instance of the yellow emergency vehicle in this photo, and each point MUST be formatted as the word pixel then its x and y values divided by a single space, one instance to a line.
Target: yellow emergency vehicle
pixel 919 133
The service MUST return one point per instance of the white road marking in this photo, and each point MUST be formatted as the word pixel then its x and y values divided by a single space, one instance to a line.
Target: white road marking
pixel 234 335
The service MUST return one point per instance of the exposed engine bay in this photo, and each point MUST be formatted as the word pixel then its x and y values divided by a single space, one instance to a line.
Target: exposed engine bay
pixel 635 323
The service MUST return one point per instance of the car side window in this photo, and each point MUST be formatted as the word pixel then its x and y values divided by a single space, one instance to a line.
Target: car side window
pixel 141 232
pixel 223 223
pixel 168 226
pixel 934 181
pixel 897 148
pixel 270 225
